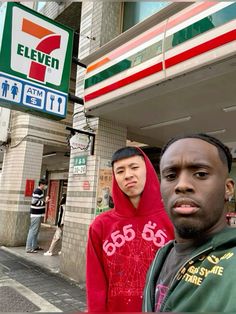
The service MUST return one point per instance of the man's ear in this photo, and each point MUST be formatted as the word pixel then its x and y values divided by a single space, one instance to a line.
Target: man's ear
pixel 229 189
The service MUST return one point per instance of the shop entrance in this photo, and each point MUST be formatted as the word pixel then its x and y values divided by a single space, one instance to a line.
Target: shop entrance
pixel 56 189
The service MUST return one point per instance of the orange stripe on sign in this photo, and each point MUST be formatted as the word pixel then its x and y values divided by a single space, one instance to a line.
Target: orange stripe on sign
pixel 35 29
pixel 97 64
pixel 125 81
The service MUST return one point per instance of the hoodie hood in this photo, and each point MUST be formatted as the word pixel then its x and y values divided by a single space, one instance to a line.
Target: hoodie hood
pixel 150 201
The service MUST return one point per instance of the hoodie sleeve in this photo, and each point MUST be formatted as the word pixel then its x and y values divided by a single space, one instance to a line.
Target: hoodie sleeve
pixel 95 277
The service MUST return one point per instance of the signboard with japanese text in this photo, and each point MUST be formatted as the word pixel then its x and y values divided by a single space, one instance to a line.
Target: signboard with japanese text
pixel 35 62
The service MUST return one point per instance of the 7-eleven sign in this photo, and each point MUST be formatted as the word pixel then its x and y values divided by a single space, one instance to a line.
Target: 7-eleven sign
pixel 35 62
pixel 39 48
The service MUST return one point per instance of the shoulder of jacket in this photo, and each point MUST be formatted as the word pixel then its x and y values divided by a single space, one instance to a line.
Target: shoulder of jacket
pixel 38 191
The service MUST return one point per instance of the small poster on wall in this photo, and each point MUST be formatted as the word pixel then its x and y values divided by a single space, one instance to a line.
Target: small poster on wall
pixel 104 198
pixel 29 187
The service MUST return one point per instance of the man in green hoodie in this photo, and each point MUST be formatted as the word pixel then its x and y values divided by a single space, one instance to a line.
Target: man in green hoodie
pixel 196 272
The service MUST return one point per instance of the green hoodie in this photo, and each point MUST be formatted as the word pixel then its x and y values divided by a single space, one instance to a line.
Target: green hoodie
pixel 205 283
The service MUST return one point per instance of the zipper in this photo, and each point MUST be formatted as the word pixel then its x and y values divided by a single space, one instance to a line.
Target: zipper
pixel 148 283
pixel 190 259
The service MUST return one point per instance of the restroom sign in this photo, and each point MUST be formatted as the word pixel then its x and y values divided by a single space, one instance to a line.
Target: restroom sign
pixel 35 61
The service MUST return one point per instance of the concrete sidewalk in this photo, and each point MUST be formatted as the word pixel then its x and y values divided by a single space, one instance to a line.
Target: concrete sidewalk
pixel 33 283
pixel 51 263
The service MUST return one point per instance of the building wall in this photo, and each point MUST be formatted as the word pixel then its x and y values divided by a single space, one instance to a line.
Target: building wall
pixel 100 20
pixel 22 161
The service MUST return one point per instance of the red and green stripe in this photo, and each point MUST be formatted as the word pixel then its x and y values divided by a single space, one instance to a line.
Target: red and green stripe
pixel 210 22
pixel 219 18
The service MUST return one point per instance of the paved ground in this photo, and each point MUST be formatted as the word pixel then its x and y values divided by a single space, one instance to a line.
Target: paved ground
pixel 51 263
pixel 32 282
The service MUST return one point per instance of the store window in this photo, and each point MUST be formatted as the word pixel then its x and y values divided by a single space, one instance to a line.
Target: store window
pixel 40 5
pixel 135 12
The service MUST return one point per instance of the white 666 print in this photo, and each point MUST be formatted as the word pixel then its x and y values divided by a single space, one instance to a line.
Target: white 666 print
pixel 119 238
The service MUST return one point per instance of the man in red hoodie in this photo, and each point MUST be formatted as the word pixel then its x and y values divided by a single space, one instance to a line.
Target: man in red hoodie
pixel 124 240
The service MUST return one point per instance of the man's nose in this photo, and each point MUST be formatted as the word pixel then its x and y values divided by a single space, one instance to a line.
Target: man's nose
pixel 184 183
pixel 128 173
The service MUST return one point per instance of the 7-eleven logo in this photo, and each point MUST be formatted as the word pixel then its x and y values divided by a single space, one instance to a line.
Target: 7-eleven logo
pixel 40 56
pixel 37 49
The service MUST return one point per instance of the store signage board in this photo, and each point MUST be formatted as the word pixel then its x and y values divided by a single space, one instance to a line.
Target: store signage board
pixel 35 62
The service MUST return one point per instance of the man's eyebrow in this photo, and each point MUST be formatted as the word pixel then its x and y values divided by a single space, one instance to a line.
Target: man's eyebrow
pixel 192 165
pixel 118 168
pixel 129 165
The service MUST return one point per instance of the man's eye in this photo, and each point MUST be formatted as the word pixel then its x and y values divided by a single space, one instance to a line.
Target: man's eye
pixel 119 171
pixel 135 167
pixel 170 176
pixel 201 174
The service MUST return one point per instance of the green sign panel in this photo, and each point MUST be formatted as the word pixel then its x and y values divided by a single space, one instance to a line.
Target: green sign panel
pixel 80 165
pixel 35 62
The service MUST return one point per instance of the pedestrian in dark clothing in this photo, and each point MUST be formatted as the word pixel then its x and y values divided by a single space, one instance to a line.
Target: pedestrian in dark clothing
pixel 37 212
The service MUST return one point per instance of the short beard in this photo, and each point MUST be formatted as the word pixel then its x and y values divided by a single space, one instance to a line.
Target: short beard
pixel 188 232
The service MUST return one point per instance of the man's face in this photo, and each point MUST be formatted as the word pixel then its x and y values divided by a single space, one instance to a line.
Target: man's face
pixel 43 186
pixel 130 174
pixel 194 186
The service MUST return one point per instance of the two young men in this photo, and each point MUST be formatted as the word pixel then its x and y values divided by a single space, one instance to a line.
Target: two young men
pixel 123 241
pixel 196 272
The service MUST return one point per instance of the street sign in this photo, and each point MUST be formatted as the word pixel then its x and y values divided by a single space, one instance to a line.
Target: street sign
pixel 35 62
pixel 80 165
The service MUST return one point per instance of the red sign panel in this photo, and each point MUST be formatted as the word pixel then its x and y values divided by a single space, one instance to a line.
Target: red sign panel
pixel 29 187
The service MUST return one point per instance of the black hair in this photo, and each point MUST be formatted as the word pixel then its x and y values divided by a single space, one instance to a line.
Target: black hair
pixel 125 152
pixel 43 181
pixel 224 152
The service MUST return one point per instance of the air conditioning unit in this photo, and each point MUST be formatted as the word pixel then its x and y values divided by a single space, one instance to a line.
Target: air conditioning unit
pixel 4 124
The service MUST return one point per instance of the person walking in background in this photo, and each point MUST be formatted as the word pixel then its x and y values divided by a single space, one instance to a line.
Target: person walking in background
pixel 196 272
pixel 123 241
pixel 37 212
pixel 59 231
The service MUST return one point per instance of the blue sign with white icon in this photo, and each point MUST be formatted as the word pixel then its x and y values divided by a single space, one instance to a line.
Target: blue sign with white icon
pixel 30 97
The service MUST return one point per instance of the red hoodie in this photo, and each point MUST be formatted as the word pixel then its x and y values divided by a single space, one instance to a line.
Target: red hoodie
pixel 121 245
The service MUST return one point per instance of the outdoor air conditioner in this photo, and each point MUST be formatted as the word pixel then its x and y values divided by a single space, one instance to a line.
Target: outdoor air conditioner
pixel 4 124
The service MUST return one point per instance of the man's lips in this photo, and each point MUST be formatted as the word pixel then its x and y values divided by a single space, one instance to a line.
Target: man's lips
pixel 185 206
pixel 130 184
